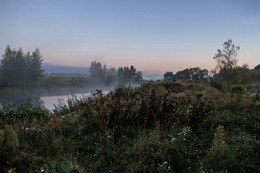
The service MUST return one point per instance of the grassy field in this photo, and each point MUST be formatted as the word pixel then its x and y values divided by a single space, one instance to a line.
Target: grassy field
pixel 159 127
pixel 52 81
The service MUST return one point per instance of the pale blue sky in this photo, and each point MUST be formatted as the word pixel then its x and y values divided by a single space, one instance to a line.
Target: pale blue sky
pixel 153 35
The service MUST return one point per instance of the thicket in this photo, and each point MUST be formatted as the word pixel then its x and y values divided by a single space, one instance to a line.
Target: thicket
pixel 159 127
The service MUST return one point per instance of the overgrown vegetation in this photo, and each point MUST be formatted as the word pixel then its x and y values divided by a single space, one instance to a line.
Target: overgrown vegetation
pixel 159 127
pixel 176 126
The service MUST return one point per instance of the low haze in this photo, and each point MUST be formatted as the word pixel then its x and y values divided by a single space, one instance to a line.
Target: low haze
pixel 154 36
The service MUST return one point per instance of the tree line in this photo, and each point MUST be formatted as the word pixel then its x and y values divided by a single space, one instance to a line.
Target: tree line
pixel 226 71
pixel 19 69
pixel 99 73
pixel 194 74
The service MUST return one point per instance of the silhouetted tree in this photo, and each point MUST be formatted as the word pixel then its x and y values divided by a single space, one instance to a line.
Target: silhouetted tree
pixel 240 75
pixel 128 75
pixel 19 69
pixel 183 75
pixel 138 77
pixel 97 72
pixel 194 74
pixel 33 66
pixel 229 72
pixel 168 76
pixel 197 74
pixel 256 73
pixel 226 59
pixel 120 74
pixel 111 76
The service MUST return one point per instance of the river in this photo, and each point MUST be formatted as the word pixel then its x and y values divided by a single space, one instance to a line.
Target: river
pixel 45 97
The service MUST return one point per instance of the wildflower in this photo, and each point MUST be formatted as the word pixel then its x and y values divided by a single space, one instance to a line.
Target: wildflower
pixel 11 170
pixel 173 139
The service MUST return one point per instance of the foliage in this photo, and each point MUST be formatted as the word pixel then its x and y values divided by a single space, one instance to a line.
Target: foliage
pixel 218 84
pixel 60 166
pixel 159 127
pixel 220 155
pixel 226 58
pixel 228 71
pixel 111 76
pixel 237 75
pixel 22 112
pixel 19 69
pixel 194 74
pixel 256 73
pixel 11 137
pixel 168 76
pixel 238 89
pixel 129 75
pixel 97 72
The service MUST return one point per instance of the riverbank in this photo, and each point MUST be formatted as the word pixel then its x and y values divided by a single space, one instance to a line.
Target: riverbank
pixel 159 127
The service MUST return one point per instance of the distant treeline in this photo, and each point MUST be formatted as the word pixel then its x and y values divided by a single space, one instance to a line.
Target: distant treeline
pixel 99 73
pixel 19 69
pixel 227 72
pixel 195 74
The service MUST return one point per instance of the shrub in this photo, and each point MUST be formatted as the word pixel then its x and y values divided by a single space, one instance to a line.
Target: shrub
pixel 218 84
pixel 238 89
pixel 11 137
pixel 220 156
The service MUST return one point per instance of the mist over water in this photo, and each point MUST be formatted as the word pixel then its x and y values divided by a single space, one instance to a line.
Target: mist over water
pixel 45 97
pixel 23 81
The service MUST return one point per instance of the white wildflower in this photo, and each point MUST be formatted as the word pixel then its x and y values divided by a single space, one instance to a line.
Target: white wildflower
pixel 165 163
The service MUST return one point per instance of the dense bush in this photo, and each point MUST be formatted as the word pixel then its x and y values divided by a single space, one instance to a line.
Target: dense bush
pixel 159 127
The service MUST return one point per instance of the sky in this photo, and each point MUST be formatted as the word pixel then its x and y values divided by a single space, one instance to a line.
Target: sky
pixel 156 36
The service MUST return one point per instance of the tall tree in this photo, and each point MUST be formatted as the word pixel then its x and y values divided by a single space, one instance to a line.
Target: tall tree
pixel 97 72
pixel 227 67
pixel 226 58
pixel 33 66
pixel 183 75
pixel 168 76
pixel 129 75
pixel 111 76
pixel 19 69
pixel 195 74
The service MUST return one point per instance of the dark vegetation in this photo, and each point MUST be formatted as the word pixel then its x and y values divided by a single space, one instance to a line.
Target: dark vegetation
pixel 189 123
pixel 193 74
pixel 19 69
pixel 226 73
pixel 123 75
pixel 159 127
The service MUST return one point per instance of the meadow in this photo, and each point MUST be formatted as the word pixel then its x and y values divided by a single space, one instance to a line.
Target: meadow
pixel 176 126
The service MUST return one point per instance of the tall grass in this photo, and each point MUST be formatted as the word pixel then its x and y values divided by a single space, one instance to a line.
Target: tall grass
pixel 158 127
